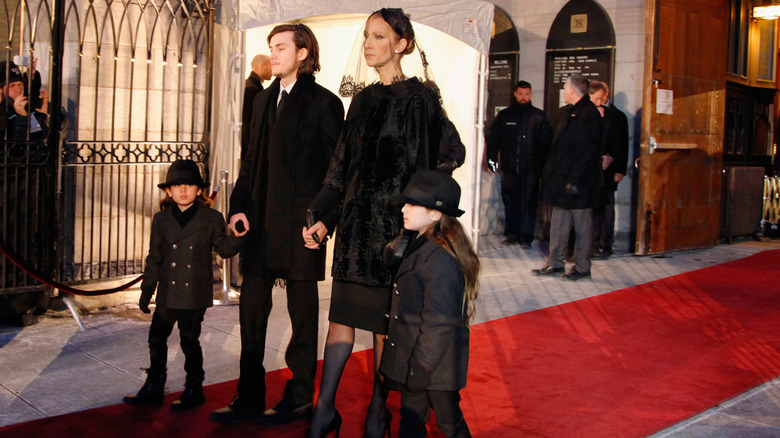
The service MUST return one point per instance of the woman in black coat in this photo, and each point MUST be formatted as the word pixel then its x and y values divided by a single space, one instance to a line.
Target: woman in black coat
pixel 393 128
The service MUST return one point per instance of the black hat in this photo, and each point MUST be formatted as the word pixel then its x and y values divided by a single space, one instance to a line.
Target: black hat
pixel 183 172
pixel 14 74
pixel 432 189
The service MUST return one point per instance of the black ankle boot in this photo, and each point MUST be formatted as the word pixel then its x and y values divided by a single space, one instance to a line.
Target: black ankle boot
pixel 151 393
pixel 378 417
pixel 191 397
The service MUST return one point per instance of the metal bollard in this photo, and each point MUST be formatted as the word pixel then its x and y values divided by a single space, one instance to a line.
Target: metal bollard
pixel 226 263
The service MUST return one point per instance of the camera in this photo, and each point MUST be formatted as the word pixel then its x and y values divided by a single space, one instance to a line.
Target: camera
pixel 22 61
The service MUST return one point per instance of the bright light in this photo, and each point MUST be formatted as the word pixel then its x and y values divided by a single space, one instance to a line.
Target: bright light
pixel 771 12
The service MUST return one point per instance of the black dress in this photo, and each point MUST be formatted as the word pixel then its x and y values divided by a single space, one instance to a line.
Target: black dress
pixel 390 132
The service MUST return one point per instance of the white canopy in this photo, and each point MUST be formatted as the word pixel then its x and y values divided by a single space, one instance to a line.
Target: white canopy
pixel 470 21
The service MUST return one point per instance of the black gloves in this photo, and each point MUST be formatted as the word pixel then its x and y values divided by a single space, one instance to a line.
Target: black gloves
pixel 143 302
pixel 572 190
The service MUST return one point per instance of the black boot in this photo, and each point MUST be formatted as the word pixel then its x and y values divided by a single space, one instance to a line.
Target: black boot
pixel 191 397
pixel 378 417
pixel 151 393
pixel 326 418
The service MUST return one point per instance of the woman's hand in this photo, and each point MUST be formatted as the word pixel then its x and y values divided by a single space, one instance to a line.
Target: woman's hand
pixel 308 235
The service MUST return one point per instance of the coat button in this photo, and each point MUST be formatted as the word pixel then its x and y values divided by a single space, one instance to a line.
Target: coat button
pixel 395 316
pixel 174 246
pixel 189 266
pixel 396 291
pixel 387 337
pixel 173 265
pixel 387 316
pixel 392 344
pixel 190 247
pixel 186 285
pixel 173 283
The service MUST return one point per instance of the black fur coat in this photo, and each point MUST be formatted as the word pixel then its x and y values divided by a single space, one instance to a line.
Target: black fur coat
pixel 390 132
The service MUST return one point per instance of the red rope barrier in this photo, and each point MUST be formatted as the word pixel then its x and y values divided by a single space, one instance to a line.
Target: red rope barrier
pixel 34 273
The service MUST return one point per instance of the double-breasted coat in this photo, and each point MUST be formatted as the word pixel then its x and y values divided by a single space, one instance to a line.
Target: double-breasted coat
pixel 180 259
pixel 574 158
pixel 427 331
pixel 282 170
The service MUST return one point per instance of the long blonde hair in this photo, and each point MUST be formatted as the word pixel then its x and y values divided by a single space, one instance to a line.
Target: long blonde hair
pixel 449 233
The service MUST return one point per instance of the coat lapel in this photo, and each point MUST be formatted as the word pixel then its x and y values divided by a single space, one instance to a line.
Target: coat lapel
pixel 411 256
pixel 197 223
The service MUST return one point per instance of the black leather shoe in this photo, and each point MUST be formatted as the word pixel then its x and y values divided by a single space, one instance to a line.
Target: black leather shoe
pixel 190 398
pixel 600 254
pixel 510 241
pixel 575 275
pixel 238 411
pixel 547 271
pixel 284 412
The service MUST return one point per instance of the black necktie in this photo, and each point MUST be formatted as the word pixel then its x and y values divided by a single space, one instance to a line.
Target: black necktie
pixel 281 102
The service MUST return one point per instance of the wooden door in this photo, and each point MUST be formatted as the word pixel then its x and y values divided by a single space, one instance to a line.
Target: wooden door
pixel 681 153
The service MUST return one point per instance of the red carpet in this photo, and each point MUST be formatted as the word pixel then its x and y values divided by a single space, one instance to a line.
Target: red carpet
pixel 623 364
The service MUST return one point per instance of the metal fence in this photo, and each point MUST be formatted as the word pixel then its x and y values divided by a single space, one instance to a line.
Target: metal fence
pixel 128 82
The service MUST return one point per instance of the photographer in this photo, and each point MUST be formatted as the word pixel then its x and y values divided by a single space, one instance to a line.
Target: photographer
pixel 16 121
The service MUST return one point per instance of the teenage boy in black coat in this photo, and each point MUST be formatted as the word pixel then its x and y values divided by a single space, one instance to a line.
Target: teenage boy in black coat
pixel 293 133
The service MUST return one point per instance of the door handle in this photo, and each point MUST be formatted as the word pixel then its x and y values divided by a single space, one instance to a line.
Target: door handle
pixel 655 146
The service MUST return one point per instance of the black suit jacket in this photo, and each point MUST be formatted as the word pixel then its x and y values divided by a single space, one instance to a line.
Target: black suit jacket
pixel 285 163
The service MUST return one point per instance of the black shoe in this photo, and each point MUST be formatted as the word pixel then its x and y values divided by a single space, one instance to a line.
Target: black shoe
pixel 547 271
pixel 239 410
pixel 334 425
pixel 284 412
pixel 379 428
pixel 510 241
pixel 525 245
pixel 152 393
pixel 574 275
pixel 600 254
pixel 190 398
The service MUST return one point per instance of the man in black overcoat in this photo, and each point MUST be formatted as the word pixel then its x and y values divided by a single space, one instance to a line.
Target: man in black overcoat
pixel 261 71
pixel 294 129
pixel 614 163
pixel 571 182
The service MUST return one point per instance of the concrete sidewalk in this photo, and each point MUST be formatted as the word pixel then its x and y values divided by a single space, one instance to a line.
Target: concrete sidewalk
pixel 52 368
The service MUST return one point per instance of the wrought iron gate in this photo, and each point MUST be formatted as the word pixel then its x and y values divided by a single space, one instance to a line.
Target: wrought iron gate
pixel 131 80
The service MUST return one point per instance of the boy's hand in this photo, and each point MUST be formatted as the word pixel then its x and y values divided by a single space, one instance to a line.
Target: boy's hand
pixel 143 303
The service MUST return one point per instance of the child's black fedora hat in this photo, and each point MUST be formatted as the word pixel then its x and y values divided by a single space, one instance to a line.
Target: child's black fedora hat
pixel 432 189
pixel 183 172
